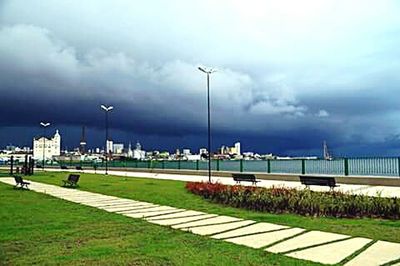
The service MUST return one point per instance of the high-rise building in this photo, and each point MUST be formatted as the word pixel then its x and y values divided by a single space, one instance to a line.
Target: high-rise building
pixel 48 147
pixel 237 148
pixel 82 143
pixel 109 146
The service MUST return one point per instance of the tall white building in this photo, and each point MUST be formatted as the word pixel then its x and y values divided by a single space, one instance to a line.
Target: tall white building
pixel 51 146
pixel 109 146
pixel 237 148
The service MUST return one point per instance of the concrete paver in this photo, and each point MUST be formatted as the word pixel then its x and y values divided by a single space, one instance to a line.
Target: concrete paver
pixel 98 201
pixel 154 208
pixel 264 239
pixel 181 220
pixel 148 214
pixel 215 220
pixel 108 203
pixel 305 240
pixel 128 207
pixel 331 253
pixel 379 253
pixel 177 215
pixel 252 229
pixel 213 229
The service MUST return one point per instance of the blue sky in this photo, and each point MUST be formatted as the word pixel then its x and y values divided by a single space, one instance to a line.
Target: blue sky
pixel 290 74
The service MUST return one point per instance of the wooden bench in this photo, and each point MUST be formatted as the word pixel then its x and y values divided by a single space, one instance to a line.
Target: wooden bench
pixel 246 178
pixel 19 181
pixel 78 167
pixel 318 181
pixel 72 180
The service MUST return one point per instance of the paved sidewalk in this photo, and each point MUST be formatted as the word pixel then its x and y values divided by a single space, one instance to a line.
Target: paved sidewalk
pixel 317 246
pixel 384 191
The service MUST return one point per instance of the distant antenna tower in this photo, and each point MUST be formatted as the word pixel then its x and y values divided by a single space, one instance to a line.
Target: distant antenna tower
pixel 327 155
pixel 82 143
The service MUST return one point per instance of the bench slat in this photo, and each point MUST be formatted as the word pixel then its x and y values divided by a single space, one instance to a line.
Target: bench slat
pixel 245 177
pixel 318 181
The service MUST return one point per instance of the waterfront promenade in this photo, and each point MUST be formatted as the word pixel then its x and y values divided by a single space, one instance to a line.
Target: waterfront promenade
pixel 370 190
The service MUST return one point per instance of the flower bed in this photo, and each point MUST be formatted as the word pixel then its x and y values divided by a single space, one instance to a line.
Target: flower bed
pixel 303 202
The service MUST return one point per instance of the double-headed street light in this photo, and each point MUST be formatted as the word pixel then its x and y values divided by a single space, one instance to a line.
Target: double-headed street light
pixel 106 109
pixel 44 125
pixel 208 72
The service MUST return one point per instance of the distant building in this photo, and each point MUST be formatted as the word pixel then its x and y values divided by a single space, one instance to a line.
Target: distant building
pixel 82 143
pixel 118 148
pixel 192 157
pixel 109 146
pixel 48 146
pixel 237 148
pixel 130 151
pixel 203 151
pixel 138 153
pixel 186 151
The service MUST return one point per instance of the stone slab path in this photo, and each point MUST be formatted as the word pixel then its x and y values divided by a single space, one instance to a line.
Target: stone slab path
pixel 331 253
pixel 317 246
pixel 305 240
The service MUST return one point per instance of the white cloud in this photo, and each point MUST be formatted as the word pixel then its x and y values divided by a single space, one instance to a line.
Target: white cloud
pixel 322 113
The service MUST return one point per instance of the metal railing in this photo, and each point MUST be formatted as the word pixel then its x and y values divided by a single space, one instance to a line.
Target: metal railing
pixel 379 166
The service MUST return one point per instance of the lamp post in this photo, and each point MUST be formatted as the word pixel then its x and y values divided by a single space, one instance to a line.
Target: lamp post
pixel 208 72
pixel 106 109
pixel 44 125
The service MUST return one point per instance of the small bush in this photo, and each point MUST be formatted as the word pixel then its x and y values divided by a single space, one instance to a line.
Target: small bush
pixel 303 202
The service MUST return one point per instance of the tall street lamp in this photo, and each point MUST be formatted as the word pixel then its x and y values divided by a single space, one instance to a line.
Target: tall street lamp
pixel 106 109
pixel 208 72
pixel 44 125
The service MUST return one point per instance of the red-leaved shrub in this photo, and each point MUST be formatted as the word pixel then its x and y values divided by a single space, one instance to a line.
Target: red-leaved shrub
pixel 303 202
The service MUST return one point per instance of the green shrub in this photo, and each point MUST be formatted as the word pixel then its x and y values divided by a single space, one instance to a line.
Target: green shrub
pixel 303 202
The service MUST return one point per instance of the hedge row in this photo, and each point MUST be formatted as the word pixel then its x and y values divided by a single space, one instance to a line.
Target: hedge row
pixel 303 202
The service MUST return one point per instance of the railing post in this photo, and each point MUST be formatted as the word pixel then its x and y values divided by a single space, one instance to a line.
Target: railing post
pixel 241 165
pixel 179 164
pixel 148 164
pixel 303 166
pixel 12 165
pixel 217 164
pixel 398 165
pixel 163 164
pixel 346 166
pixel 136 163
pixel 268 166
pixel 197 165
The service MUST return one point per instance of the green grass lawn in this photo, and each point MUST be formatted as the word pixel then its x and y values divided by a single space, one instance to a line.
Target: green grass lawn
pixel 40 229
pixel 174 194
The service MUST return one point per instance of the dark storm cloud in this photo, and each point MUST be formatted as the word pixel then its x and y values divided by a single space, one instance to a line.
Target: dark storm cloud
pixel 61 63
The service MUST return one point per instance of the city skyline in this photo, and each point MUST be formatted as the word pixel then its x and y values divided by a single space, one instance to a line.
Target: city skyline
pixel 290 75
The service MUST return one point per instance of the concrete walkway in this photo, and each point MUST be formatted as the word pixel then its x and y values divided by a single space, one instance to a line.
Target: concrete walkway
pixel 384 191
pixel 317 246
